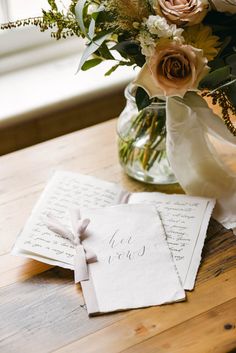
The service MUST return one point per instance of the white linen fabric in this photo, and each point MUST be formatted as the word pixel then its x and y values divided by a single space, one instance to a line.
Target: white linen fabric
pixel 197 165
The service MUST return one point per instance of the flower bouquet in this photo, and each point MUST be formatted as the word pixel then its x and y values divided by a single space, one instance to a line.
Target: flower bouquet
pixel 180 45
pixel 186 50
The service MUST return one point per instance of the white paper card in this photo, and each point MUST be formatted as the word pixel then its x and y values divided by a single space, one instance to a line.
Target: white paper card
pixel 64 190
pixel 135 267
pixel 185 220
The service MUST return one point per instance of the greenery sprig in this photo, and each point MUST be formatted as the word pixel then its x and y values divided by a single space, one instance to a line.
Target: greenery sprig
pixel 223 97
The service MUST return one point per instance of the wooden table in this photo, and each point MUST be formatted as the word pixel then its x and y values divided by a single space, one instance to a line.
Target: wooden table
pixel 41 310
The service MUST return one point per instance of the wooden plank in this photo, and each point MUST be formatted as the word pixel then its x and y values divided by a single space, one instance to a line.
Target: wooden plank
pixel 219 252
pixel 17 269
pixel 212 331
pixel 146 323
pixel 44 313
pixel 17 290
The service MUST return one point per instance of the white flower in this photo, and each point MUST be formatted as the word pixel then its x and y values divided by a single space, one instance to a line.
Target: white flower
pixel 155 28
pixel 177 33
pixel 147 43
pixel 92 8
pixel 159 26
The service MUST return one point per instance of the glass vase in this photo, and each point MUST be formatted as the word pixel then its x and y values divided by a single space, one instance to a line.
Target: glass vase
pixel 142 141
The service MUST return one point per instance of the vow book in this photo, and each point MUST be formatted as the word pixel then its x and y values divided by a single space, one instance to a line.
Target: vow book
pixel 131 250
pixel 184 218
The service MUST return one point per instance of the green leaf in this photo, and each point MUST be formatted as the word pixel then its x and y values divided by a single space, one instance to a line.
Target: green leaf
pixel 53 5
pixel 127 48
pixel 231 91
pixel 91 63
pixel 79 11
pixel 142 98
pixel 95 14
pixel 226 41
pixel 130 49
pixel 216 64
pixel 91 48
pixel 92 24
pixel 231 61
pixel 105 52
pixel 216 78
pixel 91 29
pixel 112 69
pixel 104 17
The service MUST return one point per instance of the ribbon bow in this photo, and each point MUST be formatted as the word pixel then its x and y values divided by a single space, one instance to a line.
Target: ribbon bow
pixel 82 256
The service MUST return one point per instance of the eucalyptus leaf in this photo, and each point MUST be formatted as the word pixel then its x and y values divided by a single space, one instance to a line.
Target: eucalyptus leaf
pixel 216 78
pixel 130 50
pixel 92 24
pixel 105 52
pixel 91 48
pixel 218 21
pixel 95 14
pixel 142 98
pixel 216 64
pixel 127 48
pixel 231 90
pixel 104 17
pixel 226 41
pixel 140 60
pixel 91 29
pixel 79 10
pixel 112 69
pixel 91 63
pixel 231 61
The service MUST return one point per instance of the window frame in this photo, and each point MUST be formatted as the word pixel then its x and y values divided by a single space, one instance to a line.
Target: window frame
pixel 4 11
pixel 21 38
pixel 27 46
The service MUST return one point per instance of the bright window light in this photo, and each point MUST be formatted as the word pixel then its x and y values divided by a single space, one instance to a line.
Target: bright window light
pixel 20 46
pixel 12 10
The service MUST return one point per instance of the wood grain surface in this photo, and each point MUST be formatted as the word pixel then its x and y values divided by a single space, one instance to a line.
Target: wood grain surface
pixel 41 310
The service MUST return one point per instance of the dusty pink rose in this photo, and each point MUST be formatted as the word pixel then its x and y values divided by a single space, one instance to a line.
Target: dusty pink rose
pixel 173 70
pixel 182 12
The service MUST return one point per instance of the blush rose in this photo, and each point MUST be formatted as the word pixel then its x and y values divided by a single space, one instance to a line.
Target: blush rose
pixel 182 12
pixel 173 70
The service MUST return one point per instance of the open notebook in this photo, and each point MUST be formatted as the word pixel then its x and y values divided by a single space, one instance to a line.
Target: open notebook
pixel 185 220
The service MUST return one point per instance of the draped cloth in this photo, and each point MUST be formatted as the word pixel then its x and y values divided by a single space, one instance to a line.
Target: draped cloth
pixel 199 168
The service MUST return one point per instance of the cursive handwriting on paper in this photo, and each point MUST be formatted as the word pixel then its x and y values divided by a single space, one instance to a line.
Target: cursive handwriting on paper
pixel 179 216
pixel 123 247
pixel 65 191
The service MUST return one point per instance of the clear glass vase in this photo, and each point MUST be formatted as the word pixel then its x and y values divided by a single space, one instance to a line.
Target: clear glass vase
pixel 142 141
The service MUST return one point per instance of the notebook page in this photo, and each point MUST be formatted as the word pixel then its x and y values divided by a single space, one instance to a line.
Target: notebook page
pixel 64 190
pixel 185 220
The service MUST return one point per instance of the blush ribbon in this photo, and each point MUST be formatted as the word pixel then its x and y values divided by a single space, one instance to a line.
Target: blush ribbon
pixel 83 256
